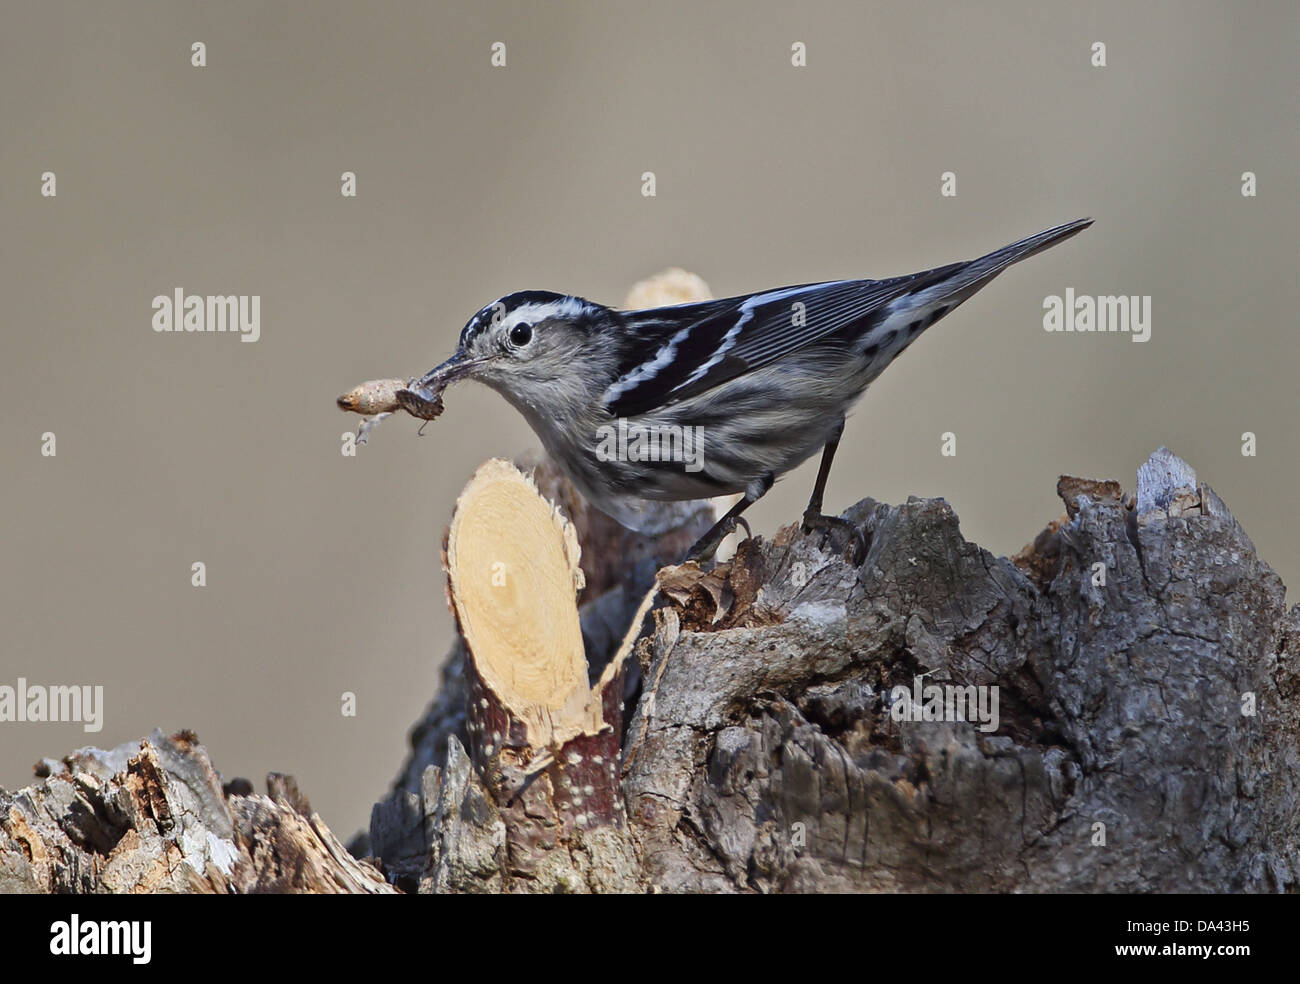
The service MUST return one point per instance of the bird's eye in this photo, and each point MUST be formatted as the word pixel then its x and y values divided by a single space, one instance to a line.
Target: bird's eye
pixel 521 334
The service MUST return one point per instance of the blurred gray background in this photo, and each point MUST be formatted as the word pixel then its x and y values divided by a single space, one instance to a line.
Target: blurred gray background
pixel 474 181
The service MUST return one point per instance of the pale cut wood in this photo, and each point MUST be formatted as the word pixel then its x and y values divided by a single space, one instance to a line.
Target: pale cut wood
pixel 513 566
pixel 672 286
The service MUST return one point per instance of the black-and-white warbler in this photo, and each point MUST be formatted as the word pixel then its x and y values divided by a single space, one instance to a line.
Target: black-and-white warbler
pixel 705 399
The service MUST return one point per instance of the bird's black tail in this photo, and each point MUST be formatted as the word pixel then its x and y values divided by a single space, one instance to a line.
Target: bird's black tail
pixel 979 272
pixel 950 285
pixel 1002 258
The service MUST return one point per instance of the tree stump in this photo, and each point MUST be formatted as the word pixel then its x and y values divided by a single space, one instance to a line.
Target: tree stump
pixel 1114 709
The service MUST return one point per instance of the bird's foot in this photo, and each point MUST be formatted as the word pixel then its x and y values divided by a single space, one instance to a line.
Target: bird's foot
pixel 814 519
pixel 708 544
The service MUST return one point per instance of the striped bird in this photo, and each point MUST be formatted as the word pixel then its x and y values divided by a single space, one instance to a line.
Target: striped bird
pixel 704 399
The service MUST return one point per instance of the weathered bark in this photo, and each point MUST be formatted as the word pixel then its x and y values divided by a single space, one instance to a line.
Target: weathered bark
pixel 152 816
pixel 1148 735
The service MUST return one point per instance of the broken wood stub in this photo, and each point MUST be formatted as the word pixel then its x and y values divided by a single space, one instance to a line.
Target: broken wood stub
pixel 152 816
pixel 542 739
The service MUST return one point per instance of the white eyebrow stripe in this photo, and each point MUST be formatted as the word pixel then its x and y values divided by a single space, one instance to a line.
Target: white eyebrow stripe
pixel 536 311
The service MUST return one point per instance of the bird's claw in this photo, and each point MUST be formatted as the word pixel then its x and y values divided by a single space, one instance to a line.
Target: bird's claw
pixel 708 544
pixel 813 520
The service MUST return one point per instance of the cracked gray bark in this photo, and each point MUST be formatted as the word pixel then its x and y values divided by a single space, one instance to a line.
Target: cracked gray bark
pixel 1148 735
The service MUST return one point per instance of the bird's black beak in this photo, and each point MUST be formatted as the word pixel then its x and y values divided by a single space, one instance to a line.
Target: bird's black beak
pixel 439 378
pixel 423 397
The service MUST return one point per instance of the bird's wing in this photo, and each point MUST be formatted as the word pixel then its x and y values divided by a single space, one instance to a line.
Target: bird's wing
pixel 677 352
pixel 674 353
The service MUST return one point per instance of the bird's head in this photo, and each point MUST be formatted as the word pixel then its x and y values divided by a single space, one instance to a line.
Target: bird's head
pixel 532 346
